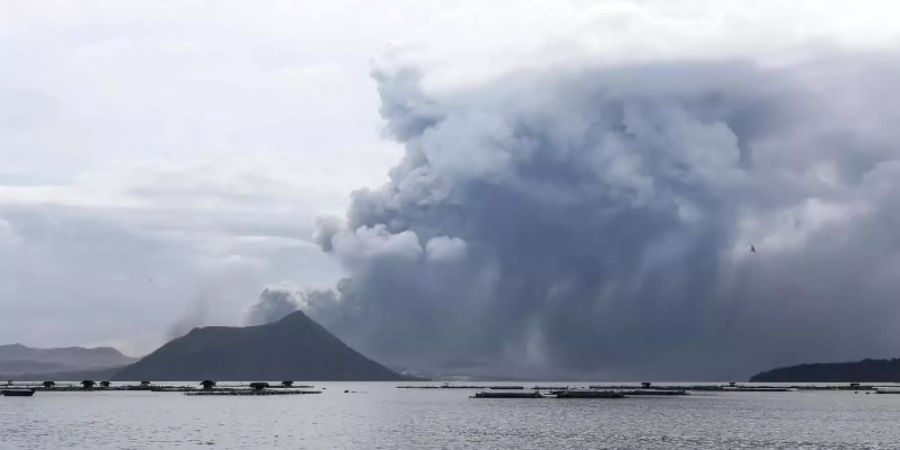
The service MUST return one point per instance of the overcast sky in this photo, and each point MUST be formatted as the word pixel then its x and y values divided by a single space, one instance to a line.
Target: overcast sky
pixel 161 163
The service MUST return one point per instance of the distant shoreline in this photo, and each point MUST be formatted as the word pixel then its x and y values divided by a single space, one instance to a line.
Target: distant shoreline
pixel 865 371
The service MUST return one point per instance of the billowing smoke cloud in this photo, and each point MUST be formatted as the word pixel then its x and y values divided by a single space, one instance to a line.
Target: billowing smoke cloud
pixel 598 222
pixel 196 315
pixel 272 306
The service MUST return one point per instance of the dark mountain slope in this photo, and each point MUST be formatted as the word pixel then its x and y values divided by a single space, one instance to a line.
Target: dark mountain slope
pixel 294 348
pixel 867 370
pixel 17 359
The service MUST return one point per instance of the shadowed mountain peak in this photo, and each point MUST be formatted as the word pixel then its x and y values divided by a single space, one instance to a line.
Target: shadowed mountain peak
pixel 293 348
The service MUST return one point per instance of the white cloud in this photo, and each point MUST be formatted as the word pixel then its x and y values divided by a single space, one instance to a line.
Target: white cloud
pixel 445 248
pixel 365 244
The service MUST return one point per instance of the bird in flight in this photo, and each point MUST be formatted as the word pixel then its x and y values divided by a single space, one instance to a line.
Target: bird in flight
pixel 752 248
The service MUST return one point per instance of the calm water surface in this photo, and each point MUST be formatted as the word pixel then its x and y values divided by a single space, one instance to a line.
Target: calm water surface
pixel 379 416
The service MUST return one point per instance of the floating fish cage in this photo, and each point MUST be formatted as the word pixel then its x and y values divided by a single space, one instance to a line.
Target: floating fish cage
pixel 230 392
pixel 444 386
pixel 654 392
pixel 490 394
pixel 588 393
pixel 17 392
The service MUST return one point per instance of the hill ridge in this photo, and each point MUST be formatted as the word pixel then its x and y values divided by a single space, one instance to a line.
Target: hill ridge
pixel 866 370
pixel 293 348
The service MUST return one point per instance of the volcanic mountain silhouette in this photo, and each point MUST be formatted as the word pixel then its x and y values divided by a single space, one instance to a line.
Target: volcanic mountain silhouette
pixel 293 348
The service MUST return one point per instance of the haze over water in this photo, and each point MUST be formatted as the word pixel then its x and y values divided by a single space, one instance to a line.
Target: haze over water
pixel 379 416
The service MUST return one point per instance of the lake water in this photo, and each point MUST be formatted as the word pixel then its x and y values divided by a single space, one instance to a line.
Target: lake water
pixel 379 416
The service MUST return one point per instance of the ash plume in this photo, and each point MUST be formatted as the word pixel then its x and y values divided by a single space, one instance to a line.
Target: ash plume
pixel 195 315
pixel 273 305
pixel 597 222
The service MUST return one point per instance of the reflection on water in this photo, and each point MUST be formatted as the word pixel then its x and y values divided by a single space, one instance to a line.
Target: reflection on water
pixel 380 416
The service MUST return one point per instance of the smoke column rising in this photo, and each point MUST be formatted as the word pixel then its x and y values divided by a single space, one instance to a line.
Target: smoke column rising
pixel 272 306
pixel 598 221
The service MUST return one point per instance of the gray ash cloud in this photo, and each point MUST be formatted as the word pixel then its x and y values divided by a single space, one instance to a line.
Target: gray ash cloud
pixel 273 305
pixel 597 221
